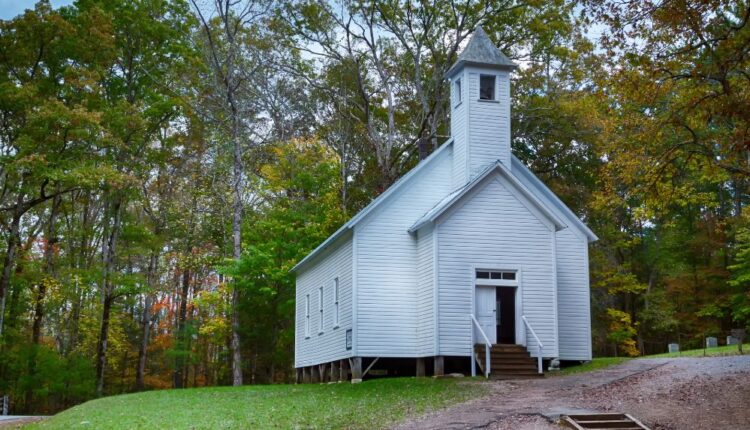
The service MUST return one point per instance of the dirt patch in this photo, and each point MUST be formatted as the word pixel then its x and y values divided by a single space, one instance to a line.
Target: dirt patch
pixel 522 422
pixel 666 394
pixel 692 393
pixel 17 423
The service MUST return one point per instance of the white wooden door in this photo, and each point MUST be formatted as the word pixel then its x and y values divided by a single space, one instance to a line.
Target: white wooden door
pixel 486 314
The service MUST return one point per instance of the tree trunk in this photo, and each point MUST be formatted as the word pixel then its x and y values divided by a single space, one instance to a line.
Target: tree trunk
pixel 101 347
pixel 108 297
pixel 49 253
pixel 237 242
pixel 181 343
pixel 75 317
pixel 10 257
pixel 146 323
pixel 140 372
pixel 235 344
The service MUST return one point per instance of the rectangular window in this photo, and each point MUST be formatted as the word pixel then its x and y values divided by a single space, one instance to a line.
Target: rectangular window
pixel 458 91
pixel 496 277
pixel 307 315
pixel 336 302
pixel 320 308
pixel 487 87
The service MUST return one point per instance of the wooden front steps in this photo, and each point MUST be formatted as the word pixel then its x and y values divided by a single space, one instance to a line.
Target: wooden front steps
pixel 509 362
pixel 603 421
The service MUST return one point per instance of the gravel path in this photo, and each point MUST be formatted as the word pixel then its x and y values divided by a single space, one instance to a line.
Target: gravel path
pixel 666 394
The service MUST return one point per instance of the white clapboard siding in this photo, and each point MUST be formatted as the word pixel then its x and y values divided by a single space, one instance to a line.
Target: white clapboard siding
pixel 459 131
pixel 573 306
pixel 331 344
pixel 493 227
pixel 414 261
pixel 425 292
pixel 480 128
pixel 387 286
pixel 488 122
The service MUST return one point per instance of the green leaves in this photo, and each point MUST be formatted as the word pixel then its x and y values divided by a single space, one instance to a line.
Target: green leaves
pixel 300 207
pixel 740 282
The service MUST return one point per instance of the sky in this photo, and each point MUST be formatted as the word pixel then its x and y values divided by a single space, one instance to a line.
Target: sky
pixel 11 8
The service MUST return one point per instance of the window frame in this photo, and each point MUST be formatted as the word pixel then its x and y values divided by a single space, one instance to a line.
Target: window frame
pixel 502 278
pixel 320 306
pixel 336 303
pixel 307 316
pixel 494 87
pixel 457 90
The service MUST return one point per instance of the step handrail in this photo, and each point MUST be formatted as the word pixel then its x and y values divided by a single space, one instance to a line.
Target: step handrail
pixel 487 347
pixel 538 342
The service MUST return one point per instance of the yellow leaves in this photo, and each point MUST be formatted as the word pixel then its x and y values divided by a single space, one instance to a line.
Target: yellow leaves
pixel 616 281
pixel 622 331
pixel 215 324
pixel 215 328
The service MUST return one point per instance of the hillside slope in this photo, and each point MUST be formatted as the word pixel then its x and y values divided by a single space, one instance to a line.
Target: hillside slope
pixel 370 405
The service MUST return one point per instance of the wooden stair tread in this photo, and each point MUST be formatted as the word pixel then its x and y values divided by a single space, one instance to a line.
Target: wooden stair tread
pixel 509 361
pixel 613 421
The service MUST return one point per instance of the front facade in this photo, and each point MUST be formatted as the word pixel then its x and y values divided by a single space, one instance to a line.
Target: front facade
pixel 468 245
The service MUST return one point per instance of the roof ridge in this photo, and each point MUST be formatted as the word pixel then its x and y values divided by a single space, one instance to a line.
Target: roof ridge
pixel 495 166
pixel 375 202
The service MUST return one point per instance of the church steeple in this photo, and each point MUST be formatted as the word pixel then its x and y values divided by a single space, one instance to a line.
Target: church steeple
pixel 480 51
pixel 480 107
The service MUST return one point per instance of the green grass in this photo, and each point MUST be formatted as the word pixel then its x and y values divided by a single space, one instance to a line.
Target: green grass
pixel 710 352
pixel 369 405
pixel 595 364
pixel 602 362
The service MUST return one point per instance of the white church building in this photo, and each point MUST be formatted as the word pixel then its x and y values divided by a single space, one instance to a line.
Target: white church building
pixel 468 261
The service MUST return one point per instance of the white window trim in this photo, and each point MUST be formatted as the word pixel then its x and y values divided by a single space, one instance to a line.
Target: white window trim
pixel 495 98
pixel 336 304
pixel 496 282
pixel 458 91
pixel 320 310
pixel 520 327
pixel 307 316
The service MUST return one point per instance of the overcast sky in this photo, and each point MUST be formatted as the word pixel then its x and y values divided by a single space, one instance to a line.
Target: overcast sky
pixel 11 8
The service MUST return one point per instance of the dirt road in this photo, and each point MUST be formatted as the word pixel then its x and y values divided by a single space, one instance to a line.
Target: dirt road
pixel 666 394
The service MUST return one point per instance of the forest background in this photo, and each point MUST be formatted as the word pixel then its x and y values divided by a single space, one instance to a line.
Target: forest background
pixel 164 163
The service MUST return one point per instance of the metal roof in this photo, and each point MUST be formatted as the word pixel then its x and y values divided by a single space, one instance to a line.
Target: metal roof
pixel 519 168
pixel 373 204
pixel 480 51
pixel 496 167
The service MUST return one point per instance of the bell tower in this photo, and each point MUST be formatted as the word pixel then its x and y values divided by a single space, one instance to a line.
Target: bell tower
pixel 480 108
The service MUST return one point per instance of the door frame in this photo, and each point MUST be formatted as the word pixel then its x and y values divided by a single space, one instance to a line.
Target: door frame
pixel 518 285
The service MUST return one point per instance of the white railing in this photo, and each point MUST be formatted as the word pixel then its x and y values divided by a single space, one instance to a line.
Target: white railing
pixel 538 342
pixel 487 346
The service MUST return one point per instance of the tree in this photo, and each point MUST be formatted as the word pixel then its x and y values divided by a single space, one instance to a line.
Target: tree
pixel 300 197
pixel 226 39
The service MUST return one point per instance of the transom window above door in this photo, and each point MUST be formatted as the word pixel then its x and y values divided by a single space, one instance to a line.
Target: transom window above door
pixel 496 277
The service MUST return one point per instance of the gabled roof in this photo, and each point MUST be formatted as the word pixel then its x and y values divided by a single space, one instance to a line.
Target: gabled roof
pixel 539 186
pixel 480 51
pixel 373 204
pixel 494 168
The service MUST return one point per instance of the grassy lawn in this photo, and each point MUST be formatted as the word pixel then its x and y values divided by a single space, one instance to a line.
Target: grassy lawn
pixel 369 405
pixel 595 364
pixel 602 362
pixel 710 352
